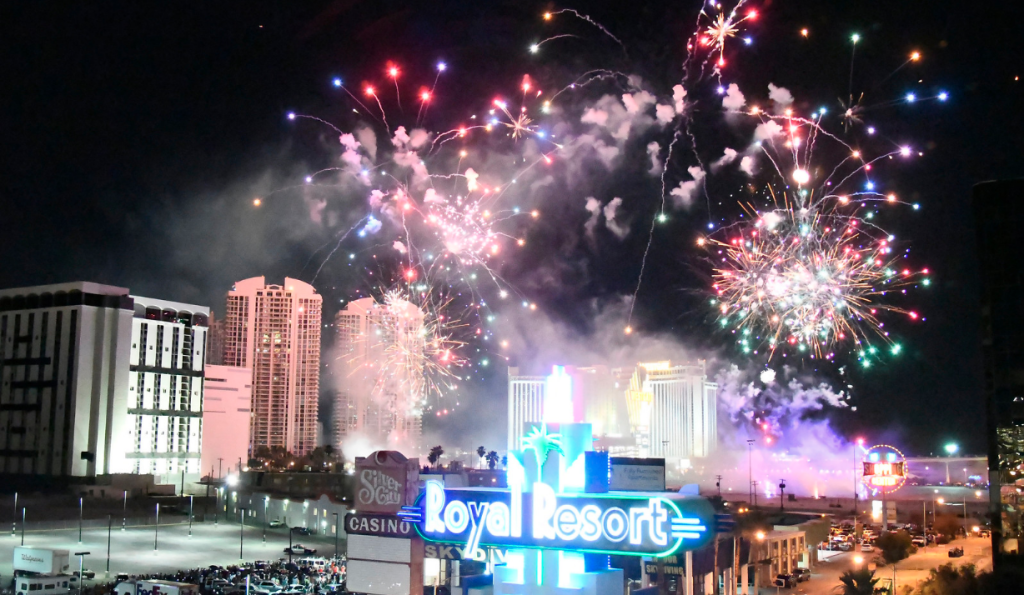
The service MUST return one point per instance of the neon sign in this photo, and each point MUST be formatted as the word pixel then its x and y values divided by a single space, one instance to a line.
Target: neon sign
pixel 885 468
pixel 594 523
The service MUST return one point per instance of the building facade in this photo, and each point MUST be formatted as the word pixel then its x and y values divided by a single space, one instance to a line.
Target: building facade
pixel 227 416
pixel 654 409
pixel 525 404
pixel 64 353
pixel 275 331
pixel 165 386
pixel 379 374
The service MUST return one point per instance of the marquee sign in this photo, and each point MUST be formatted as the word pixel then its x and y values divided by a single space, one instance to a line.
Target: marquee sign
pixel 885 468
pixel 624 524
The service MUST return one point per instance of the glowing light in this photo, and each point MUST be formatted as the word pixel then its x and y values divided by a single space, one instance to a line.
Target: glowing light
pixel 801 176
pixel 805 32
pixel 337 82
pixel 257 202
pixel 943 96
pixel 855 38
pixel 291 115
pixel 441 66
pixel 393 72
pixel 911 98
pixel 369 91
pixel 915 56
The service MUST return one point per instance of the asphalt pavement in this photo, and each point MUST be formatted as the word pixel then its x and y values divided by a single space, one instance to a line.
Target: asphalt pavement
pixel 141 551
pixel 825 577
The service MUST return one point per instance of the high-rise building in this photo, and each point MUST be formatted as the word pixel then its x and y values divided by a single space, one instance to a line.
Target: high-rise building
pixel 525 404
pixel 215 341
pixel 165 387
pixel 379 374
pixel 96 381
pixel 658 409
pixel 275 331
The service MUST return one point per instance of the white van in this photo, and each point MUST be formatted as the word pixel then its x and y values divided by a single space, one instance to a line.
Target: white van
pixel 42 584
pixel 318 564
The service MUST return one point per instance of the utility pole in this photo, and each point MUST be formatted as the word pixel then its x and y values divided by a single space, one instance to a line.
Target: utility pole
pixel 718 484
pixel 755 494
pixel 750 471
pixel 191 508
pixel 81 511
pixel 14 519
pixel 124 511
pixel 782 495
pixel 220 468
pixel 22 525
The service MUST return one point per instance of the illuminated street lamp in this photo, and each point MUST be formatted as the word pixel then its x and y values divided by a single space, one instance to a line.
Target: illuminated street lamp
pixel 951 449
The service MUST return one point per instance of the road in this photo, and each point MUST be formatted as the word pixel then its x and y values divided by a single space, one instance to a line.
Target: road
pixel 914 569
pixel 132 551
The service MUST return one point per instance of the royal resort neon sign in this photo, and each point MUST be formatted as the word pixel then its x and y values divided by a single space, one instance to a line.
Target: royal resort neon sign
pixel 623 524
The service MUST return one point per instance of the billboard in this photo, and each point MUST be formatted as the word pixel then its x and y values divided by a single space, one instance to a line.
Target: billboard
pixel 630 474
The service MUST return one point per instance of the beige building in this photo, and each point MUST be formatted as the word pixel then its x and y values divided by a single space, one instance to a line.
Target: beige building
pixel 227 415
pixel 275 331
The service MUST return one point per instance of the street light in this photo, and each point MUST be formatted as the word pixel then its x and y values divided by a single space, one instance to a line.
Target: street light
pixel 191 502
pixel 81 510
pixel 124 511
pixel 336 532
pixel 14 519
pixel 81 569
pixel 951 449
pixel 241 531
pixel 266 502
pixel 750 471
pixel 156 535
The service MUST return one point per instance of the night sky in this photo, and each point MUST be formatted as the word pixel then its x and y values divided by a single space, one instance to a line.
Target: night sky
pixel 136 136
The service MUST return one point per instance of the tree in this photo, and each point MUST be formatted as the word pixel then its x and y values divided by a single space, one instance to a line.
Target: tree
pixel 504 461
pixel 950 579
pixel 481 452
pixel 895 546
pixel 435 455
pixel 948 524
pixel 858 582
pixel 492 460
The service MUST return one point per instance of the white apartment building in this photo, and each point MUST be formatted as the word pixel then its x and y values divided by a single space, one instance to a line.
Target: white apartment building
pixel 275 331
pixel 379 374
pixel 657 409
pixel 165 387
pixel 64 353
pixel 227 415
pixel 525 405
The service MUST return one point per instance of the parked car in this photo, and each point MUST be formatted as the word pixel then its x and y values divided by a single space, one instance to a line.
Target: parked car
pixel 301 531
pixel 846 546
pixel 956 552
pixel 867 547
pixel 89 574
pixel 268 586
pixel 802 574
pixel 919 540
pixel 785 580
pixel 299 550
pixel 274 524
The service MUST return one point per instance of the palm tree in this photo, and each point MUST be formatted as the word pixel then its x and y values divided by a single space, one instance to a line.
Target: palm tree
pixel 435 455
pixel 481 451
pixel 492 460
pixel 858 582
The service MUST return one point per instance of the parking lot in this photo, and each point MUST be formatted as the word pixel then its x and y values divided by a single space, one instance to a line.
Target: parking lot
pixel 132 551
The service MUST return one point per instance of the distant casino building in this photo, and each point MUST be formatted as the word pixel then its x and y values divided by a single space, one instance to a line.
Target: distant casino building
pixel 275 331
pixel 96 381
pixel 654 409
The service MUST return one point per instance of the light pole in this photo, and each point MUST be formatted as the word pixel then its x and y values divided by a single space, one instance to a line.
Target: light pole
pixel 81 510
pixel 750 471
pixel 336 532
pixel 22 525
pixel 951 449
pixel 124 511
pixel 14 519
pixel 191 503
pixel 266 502
pixel 110 526
pixel 81 569
pixel 241 531
pixel 156 535
pixel 782 495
